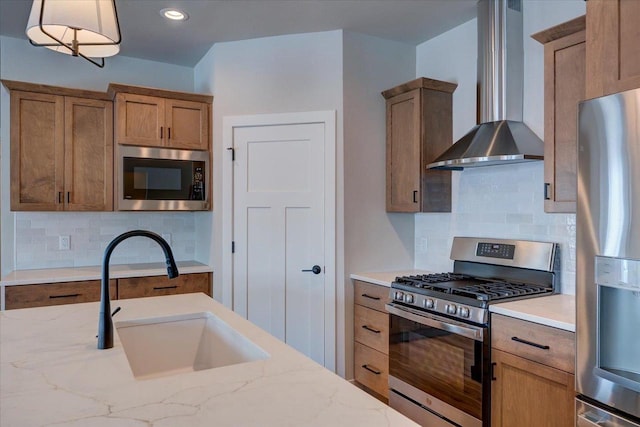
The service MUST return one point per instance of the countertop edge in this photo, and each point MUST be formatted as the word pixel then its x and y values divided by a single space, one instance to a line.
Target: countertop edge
pixel 77 274
pixel 535 319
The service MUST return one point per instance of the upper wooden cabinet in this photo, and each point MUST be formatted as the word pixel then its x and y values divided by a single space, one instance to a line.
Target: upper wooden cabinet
pixel 419 128
pixel 613 46
pixel 564 88
pixel 61 149
pixel 161 118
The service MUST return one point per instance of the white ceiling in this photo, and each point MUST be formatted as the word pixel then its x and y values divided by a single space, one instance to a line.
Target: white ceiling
pixel 145 34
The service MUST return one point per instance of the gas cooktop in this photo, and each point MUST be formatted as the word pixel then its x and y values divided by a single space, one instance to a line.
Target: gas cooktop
pixel 485 271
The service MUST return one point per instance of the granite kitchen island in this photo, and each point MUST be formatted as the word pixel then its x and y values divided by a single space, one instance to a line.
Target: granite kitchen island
pixel 52 374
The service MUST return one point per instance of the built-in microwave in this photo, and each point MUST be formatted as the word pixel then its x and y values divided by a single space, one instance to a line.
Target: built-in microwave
pixel 150 178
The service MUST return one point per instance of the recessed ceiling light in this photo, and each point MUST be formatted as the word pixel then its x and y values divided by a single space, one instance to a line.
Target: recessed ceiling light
pixel 174 14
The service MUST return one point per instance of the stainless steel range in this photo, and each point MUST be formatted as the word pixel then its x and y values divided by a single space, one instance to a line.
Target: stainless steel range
pixel 439 361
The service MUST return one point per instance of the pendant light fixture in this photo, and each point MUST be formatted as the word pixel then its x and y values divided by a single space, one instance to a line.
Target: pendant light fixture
pixel 85 28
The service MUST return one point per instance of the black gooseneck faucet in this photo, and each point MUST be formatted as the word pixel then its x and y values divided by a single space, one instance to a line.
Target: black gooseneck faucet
pixel 105 323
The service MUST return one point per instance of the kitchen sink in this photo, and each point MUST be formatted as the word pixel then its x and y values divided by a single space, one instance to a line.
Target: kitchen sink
pixel 162 346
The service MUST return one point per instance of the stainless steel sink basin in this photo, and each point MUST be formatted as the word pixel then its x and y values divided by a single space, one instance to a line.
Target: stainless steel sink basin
pixel 170 345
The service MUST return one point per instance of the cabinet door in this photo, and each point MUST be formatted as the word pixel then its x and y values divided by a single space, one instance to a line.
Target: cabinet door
pixel 25 296
pixel 88 155
pixel 403 152
pixel 528 394
pixel 140 120
pixel 613 46
pixel 137 287
pixel 37 150
pixel 187 124
pixel 564 88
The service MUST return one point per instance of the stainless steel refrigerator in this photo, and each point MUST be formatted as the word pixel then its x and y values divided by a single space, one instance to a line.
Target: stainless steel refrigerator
pixel 608 262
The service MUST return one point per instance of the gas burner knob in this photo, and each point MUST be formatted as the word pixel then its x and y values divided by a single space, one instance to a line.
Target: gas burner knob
pixel 463 312
pixel 451 308
pixel 408 298
pixel 398 296
pixel 428 303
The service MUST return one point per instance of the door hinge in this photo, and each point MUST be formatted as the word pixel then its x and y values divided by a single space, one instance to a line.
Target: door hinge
pixel 233 247
pixel 233 153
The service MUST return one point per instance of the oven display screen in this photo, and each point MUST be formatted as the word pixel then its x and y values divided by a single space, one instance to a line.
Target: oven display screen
pixel 495 250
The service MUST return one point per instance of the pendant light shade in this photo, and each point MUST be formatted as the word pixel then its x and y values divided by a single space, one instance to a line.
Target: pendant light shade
pixel 86 28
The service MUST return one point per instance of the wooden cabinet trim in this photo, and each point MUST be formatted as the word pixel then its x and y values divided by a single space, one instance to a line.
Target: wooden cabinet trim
pixel 148 286
pixel 561 351
pixel 608 41
pixel 40 295
pixel 370 295
pixel 371 328
pixel 96 142
pixel 420 83
pixel 54 90
pixel 115 88
pixel 20 168
pixel 564 88
pixel 530 406
pixel 372 369
pixel 561 30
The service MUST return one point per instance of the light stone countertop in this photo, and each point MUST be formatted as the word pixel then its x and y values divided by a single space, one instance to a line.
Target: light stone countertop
pixel 558 311
pixel 384 278
pixel 52 374
pixel 116 271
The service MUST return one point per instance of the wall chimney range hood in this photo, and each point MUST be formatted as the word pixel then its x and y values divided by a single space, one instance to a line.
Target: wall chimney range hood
pixel 502 137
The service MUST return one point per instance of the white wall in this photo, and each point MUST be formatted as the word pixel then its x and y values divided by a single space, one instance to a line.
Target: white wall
pixel 293 73
pixel 374 239
pixel 501 201
pixel 28 239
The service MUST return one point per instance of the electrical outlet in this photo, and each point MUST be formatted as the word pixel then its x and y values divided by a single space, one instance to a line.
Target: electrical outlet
pixel 167 237
pixel 64 243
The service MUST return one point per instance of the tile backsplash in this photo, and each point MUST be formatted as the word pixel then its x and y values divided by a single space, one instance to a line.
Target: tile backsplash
pixel 497 201
pixel 37 235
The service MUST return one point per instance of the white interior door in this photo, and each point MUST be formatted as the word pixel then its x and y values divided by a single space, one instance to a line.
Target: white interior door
pixel 279 230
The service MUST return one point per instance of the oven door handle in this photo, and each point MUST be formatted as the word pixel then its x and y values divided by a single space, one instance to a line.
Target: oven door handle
pixel 475 333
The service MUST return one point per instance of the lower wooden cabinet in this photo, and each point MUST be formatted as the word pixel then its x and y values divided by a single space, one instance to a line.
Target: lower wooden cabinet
pixel 371 338
pixel 25 296
pixel 533 381
pixel 151 286
pixel 45 294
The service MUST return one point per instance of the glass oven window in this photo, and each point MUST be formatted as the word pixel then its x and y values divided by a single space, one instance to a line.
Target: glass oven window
pixel 442 364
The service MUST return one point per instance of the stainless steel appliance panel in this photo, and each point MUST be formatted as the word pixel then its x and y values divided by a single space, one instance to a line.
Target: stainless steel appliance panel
pixel 166 179
pixel 608 250
pixel 592 416
pixel 434 361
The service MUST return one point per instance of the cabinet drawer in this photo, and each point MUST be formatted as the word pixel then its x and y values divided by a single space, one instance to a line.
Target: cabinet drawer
pixel 137 287
pixel 371 328
pixel 24 296
pixel 372 369
pixel 372 296
pixel 549 346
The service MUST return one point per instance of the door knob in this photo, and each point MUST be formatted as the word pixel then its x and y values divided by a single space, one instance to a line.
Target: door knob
pixel 315 269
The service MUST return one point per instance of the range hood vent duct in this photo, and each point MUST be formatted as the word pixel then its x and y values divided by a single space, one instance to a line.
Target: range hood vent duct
pixel 502 137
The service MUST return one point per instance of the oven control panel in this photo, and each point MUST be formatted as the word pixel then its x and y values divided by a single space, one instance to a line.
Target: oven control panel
pixel 495 250
pixel 432 304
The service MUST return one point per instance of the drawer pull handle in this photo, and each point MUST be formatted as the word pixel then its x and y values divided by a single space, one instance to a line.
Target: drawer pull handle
pixel 64 296
pixel 159 288
pixel 370 329
pixel 370 297
pixel 375 371
pixel 533 344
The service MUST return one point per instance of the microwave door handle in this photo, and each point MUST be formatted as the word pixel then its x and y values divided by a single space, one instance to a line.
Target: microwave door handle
pixel 475 334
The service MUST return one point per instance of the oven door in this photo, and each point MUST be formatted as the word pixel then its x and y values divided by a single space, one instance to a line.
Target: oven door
pixel 438 364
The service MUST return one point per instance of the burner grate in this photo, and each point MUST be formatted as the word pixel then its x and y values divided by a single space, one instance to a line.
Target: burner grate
pixel 466 286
